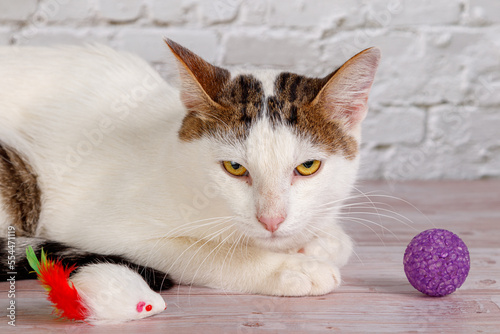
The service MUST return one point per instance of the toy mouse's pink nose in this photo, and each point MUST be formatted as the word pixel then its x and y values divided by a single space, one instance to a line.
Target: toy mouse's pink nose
pixel 271 223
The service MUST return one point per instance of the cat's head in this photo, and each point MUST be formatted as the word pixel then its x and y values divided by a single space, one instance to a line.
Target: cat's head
pixel 283 148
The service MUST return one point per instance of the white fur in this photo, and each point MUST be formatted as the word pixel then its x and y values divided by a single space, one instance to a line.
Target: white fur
pixel 112 292
pixel 100 129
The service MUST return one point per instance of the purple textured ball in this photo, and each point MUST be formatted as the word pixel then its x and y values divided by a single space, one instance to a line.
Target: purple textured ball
pixel 436 262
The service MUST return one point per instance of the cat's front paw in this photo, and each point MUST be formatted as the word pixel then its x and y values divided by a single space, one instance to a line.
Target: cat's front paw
pixel 336 250
pixel 301 275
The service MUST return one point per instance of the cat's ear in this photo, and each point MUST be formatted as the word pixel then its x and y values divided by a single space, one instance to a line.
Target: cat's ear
pixel 345 95
pixel 201 81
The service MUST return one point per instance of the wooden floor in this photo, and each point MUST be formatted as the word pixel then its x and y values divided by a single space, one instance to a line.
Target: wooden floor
pixel 375 295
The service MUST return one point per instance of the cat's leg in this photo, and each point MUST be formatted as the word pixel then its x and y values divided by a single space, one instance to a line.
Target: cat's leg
pixel 331 244
pixel 242 268
pixel 69 256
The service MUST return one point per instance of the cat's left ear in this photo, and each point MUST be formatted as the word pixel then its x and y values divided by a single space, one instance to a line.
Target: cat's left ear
pixel 201 81
pixel 345 95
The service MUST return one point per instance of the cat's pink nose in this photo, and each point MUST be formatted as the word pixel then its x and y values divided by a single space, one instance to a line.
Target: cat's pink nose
pixel 271 223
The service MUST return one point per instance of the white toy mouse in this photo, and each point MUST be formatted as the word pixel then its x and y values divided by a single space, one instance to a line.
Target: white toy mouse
pixel 96 293
pixel 115 293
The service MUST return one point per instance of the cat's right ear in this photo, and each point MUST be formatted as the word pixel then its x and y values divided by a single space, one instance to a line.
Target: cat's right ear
pixel 345 95
pixel 201 81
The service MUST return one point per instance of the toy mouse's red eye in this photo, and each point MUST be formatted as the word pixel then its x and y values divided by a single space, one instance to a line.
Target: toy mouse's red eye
pixel 149 308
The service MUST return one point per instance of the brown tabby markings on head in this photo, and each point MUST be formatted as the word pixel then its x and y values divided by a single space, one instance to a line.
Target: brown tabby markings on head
pixel 292 106
pixel 245 96
pixel 240 102
pixel 238 105
pixel 19 191
pixel 223 107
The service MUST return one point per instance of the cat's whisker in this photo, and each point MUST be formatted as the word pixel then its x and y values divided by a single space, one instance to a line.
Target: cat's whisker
pixel 216 224
pixel 408 222
pixel 393 214
pixel 340 200
pixel 389 218
pixel 343 216
pixel 365 196
pixel 207 241
pixel 177 232
pixel 345 211
pixel 335 206
pixel 195 224
pixel 246 244
pixel 384 228
pixel 192 225
pixel 212 237
pixel 361 221
pixel 230 251
pixel 361 194
pixel 365 203
pixel 184 229
pixel 239 243
pixel 340 203
pixel 216 248
pixel 369 205
pixel 374 194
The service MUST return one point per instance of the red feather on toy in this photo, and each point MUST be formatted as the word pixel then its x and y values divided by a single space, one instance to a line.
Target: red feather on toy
pixel 54 278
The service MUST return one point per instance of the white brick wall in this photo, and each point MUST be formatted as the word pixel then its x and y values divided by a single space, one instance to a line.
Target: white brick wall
pixel 436 100
pixel 19 12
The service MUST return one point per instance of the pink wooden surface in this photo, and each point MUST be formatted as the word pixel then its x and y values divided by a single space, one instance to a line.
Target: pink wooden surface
pixel 375 295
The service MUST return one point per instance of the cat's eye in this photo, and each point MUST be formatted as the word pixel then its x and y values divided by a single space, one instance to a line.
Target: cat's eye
pixel 234 168
pixel 308 168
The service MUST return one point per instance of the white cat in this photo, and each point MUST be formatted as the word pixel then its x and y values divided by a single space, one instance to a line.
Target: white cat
pixel 233 183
